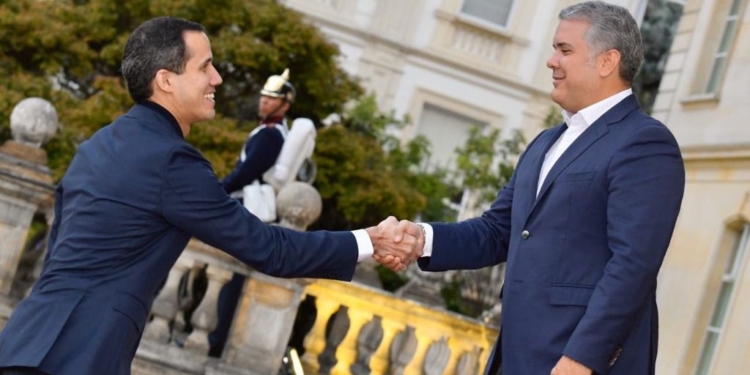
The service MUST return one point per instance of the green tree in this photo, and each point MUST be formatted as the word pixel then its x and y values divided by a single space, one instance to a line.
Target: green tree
pixel 69 52
pixel 365 174
pixel 484 164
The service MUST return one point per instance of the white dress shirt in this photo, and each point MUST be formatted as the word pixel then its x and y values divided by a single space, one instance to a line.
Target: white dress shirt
pixel 577 124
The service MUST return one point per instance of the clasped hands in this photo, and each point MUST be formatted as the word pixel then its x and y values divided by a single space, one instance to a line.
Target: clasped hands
pixel 396 243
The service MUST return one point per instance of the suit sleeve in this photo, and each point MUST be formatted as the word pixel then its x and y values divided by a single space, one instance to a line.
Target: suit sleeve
pixel 55 222
pixel 261 152
pixel 194 201
pixel 646 184
pixel 483 241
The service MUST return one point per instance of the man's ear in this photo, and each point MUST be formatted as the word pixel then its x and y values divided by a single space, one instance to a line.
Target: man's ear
pixel 609 63
pixel 162 81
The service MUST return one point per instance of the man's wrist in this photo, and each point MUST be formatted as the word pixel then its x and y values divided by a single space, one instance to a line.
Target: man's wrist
pixel 421 228
pixel 365 248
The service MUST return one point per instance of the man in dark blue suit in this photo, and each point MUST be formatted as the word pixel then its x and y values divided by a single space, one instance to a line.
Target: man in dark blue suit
pixel 585 221
pixel 129 202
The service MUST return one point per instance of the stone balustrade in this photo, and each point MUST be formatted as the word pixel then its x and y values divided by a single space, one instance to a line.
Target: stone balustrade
pixel 471 42
pixel 363 330
pixel 260 331
pixel 339 328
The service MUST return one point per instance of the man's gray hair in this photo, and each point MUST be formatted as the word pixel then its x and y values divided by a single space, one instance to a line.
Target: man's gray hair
pixel 612 27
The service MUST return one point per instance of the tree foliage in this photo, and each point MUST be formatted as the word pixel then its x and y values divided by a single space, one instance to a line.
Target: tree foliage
pixel 485 163
pixel 365 174
pixel 69 52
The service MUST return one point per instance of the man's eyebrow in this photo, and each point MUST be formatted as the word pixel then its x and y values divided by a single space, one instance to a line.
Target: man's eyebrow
pixel 561 45
pixel 207 61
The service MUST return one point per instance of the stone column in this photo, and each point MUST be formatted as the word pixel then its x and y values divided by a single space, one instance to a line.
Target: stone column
pixel 263 323
pixel 26 186
pixel 265 316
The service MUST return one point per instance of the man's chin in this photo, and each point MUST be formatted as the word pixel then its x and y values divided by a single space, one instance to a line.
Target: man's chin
pixel 207 117
pixel 556 96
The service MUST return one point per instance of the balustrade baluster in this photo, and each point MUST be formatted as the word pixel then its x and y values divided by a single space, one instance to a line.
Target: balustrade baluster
pixel 403 348
pixel 336 331
pixel 166 304
pixel 205 317
pixel 368 341
pixel 468 364
pixel 437 357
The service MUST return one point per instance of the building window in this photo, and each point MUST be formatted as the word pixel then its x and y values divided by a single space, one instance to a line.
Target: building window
pixel 493 11
pixel 718 66
pixel 446 131
pixel 722 306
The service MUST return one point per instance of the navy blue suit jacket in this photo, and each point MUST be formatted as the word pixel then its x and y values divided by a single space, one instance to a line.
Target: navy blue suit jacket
pixel 582 256
pixel 129 202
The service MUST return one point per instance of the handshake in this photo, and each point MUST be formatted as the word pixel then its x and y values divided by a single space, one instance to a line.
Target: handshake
pixel 396 244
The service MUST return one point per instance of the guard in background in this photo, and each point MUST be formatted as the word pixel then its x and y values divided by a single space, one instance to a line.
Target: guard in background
pixel 264 143
pixel 259 154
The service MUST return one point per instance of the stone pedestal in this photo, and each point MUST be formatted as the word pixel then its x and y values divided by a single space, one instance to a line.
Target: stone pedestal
pixel 25 188
pixel 263 323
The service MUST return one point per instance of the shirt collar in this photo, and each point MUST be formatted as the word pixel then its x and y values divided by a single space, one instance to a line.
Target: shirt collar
pixel 164 113
pixel 273 120
pixel 593 112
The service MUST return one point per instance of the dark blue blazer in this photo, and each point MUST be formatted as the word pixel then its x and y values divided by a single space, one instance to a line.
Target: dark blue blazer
pixel 129 202
pixel 582 256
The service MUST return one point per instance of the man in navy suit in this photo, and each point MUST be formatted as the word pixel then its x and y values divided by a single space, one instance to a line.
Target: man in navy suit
pixel 585 221
pixel 129 202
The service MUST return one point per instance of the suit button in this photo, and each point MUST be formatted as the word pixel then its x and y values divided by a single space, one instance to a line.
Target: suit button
pixel 525 234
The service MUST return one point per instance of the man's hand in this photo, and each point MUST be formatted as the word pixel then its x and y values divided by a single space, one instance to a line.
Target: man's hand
pixel 567 366
pixel 395 244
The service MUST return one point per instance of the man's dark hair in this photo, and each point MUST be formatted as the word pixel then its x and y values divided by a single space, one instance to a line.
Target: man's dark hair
pixel 156 44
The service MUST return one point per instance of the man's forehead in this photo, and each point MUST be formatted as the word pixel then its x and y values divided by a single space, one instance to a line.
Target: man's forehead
pixel 197 46
pixel 569 31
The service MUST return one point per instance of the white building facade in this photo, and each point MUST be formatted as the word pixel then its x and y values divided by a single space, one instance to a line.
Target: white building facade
pixel 448 64
pixel 451 64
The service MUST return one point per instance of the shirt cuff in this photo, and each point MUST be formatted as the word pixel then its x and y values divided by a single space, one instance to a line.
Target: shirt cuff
pixel 364 244
pixel 428 236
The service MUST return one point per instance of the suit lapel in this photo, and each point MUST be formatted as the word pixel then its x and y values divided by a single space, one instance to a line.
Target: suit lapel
pixel 597 130
pixel 539 157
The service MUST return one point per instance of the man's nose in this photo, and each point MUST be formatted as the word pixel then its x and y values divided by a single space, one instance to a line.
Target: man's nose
pixel 216 80
pixel 552 61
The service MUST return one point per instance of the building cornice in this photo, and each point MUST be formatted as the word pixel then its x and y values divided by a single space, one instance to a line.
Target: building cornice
pixel 500 79
pixel 724 152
